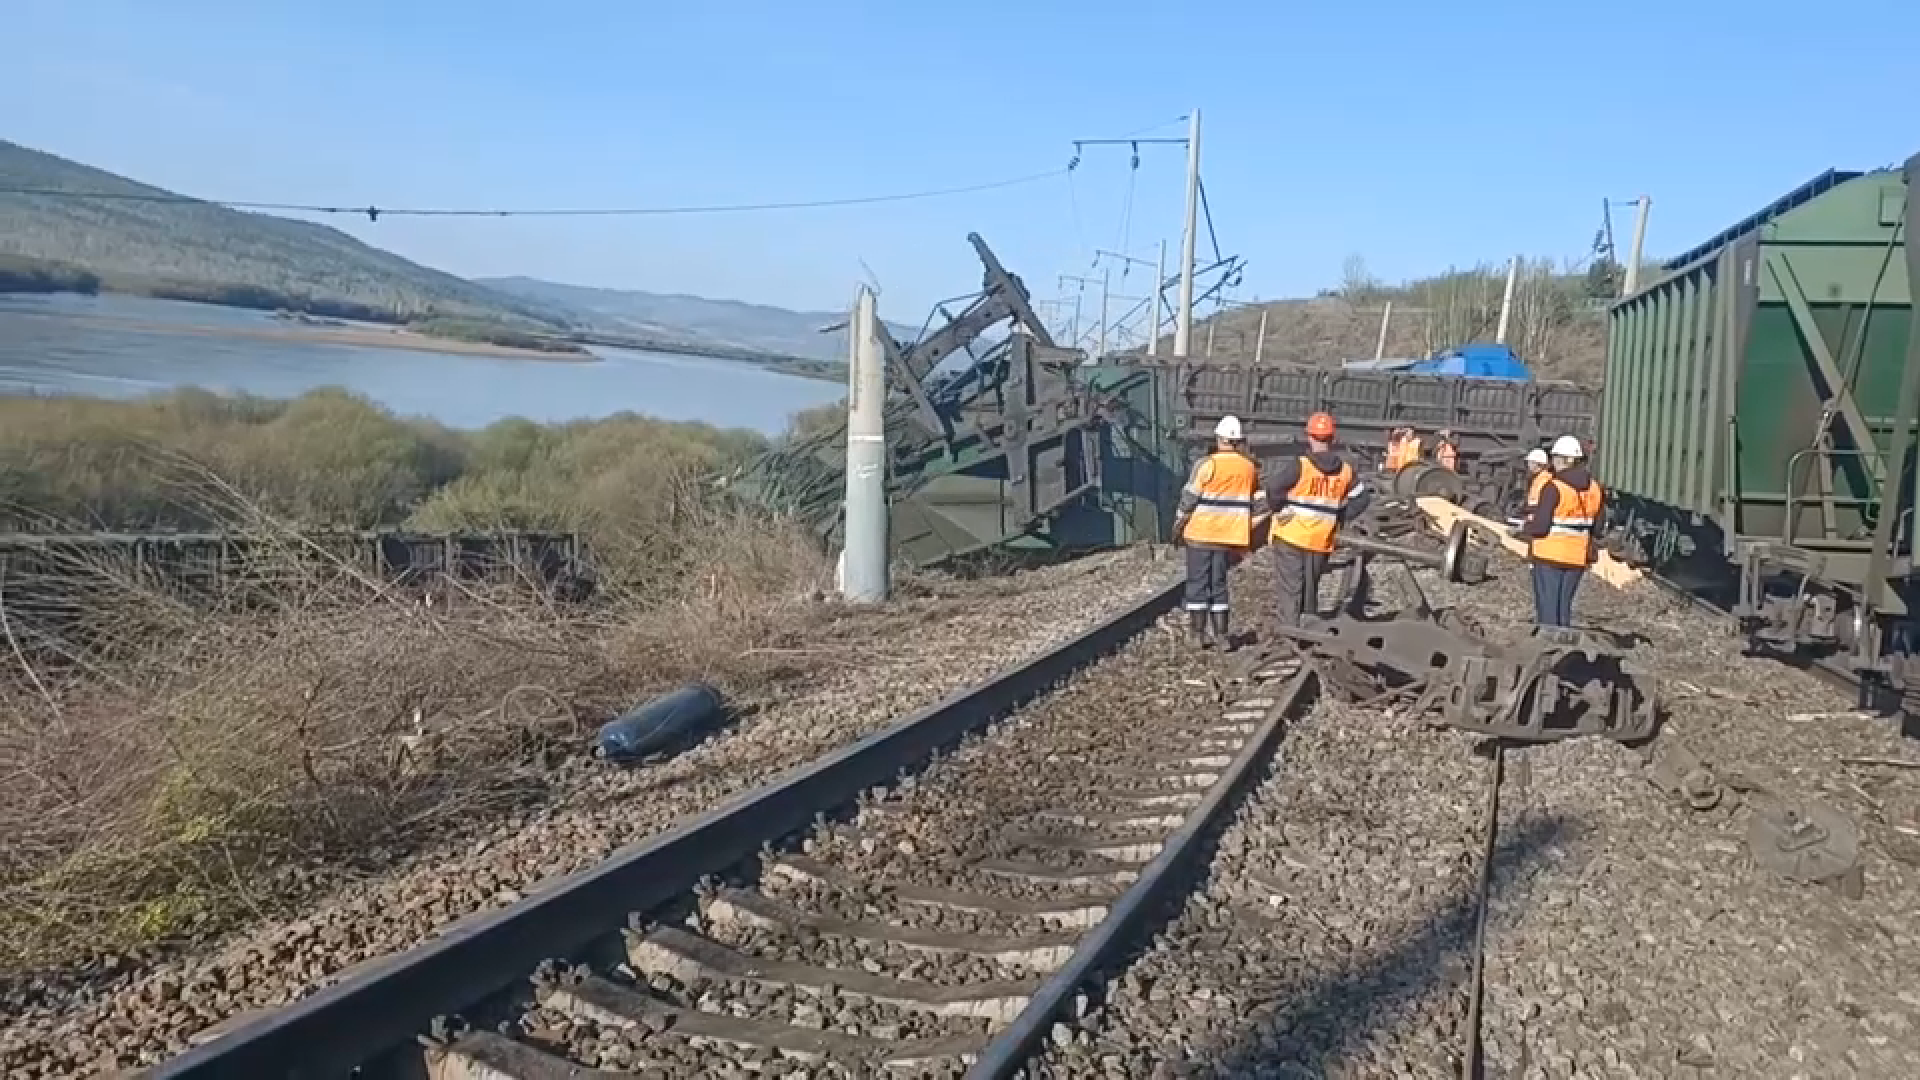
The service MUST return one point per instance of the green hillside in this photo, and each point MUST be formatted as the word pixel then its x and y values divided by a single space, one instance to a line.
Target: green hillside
pixel 200 251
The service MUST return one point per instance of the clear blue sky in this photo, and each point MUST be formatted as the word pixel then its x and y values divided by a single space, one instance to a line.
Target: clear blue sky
pixel 1415 134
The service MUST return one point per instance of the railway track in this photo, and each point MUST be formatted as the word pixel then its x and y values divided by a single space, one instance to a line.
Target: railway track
pixel 1876 695
pixel 857 915
pixel 1336 931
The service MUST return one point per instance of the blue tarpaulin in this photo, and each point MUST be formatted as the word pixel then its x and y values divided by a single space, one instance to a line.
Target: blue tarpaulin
pixel 1478 361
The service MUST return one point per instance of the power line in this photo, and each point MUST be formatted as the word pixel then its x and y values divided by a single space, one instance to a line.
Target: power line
pixel 375 213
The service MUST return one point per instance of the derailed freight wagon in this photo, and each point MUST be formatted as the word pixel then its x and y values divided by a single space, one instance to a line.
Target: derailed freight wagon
pixel 1496 420
pixel 1758 421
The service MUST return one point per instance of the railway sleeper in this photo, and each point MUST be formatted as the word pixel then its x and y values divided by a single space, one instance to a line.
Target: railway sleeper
pixel 757 909
pixel 689 957
pixel 612 1005
pixel 1077 912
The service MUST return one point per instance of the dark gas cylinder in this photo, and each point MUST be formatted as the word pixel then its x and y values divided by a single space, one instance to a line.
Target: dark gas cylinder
pixel 668 721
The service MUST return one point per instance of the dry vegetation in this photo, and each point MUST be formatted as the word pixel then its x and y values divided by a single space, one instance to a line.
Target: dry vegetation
pixel 167 767
pixel 1556 325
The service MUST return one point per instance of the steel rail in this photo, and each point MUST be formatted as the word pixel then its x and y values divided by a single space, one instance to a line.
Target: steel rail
pixel 1473 1065
pixel 1014 1045
pixel 1819 667
pixel 358 1020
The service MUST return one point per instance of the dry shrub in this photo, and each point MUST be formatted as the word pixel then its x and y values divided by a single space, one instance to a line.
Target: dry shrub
pixel 171 764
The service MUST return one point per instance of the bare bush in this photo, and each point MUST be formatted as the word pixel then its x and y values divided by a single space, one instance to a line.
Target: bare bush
pixel 171 763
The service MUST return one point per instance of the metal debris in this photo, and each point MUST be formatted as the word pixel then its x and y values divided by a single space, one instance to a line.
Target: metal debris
pixel 1550 686
pixel 1555 684
pixel 1683 775
pixel 1804 841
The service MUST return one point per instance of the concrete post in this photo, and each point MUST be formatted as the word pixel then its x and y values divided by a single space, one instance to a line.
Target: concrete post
pixel 864 558
pixel 1631 279
pixel 1506 300
pixel 1183 315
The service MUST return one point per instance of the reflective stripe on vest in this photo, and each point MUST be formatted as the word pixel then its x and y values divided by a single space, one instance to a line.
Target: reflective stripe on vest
pixel 1312 507
pixel 1224 514
pixel 1569 541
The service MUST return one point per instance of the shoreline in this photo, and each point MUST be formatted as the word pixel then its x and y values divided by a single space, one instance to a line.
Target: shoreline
pixel 361 336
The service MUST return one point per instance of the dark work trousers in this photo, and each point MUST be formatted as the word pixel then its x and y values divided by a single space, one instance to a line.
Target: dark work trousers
pixel 1296 572
pixel 1207 568
pixel 1553 589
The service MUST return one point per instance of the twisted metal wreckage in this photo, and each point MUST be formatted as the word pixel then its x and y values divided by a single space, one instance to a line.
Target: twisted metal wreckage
pixel 1029 447
pixel 1544 687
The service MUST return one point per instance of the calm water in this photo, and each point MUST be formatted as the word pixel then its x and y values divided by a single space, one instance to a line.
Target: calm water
pixel 92 345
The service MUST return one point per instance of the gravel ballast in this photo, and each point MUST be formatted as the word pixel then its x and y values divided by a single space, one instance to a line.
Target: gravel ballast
pixel 1648 942
pixel 934 645
pixel 1328 934
pixel 1628 935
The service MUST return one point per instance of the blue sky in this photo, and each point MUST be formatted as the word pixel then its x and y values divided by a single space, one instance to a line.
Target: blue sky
pixel 1416 135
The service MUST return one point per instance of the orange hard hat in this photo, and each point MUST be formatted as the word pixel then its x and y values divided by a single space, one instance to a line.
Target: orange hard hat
pixel 1320 425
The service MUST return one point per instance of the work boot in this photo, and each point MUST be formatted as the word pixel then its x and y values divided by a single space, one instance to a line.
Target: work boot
pixel 1198 622
pixel 1220 630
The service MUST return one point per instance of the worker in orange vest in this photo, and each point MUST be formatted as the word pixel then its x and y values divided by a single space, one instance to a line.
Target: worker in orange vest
pixel 1403 449
pixel 1446 452
pixel 1539 472
pixel 1222 509
pixel 1560 533
pixel 1320 494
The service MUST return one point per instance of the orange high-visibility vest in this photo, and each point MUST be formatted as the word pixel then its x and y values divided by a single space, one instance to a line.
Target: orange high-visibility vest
pixel 1224 515
pixel 1535 485
pixel 1312 509
pixel 1447 456
pixel 1403 452
pixel 1569 542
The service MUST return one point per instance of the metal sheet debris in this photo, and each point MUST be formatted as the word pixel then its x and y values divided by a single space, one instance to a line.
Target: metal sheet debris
pixel 1803 841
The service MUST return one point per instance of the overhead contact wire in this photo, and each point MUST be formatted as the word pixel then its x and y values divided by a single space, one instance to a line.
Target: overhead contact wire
pixel 374 213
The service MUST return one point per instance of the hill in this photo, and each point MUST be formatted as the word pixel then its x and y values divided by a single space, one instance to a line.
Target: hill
pixel 692 320
pixel 199 251
pixel 1557 325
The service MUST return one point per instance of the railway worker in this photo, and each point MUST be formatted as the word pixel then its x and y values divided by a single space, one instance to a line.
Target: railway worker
pixel 1320 495
pixel 1403 449
pixel 1446 452
pixel 1221 511
pixel 1539 471
pixel 1560 532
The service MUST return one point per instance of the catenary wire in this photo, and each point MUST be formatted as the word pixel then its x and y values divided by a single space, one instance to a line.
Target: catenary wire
pixel 374 213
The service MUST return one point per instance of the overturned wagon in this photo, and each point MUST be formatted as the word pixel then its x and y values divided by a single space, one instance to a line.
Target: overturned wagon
pixel 1001 440
pixel 1496 421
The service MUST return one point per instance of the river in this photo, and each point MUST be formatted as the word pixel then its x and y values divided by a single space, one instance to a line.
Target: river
pixel 127 346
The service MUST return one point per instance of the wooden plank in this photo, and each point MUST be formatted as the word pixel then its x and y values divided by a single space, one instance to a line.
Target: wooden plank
pixel 1441 514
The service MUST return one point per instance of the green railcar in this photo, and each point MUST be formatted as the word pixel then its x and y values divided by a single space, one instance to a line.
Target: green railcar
pixel 1759 412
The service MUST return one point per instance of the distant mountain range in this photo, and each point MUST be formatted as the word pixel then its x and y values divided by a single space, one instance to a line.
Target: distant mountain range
pixel 148 240
pixel 692 319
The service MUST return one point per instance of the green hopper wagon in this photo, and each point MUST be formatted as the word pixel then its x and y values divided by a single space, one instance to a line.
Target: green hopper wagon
pixel 1758 422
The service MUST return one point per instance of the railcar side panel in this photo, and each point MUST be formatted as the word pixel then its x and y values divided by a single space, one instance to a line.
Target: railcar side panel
pixel 1753 390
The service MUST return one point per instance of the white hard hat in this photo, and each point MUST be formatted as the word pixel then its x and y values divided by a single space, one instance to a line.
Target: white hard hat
pixel 1567 446
pixel 1227 428
pixel 1536 456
